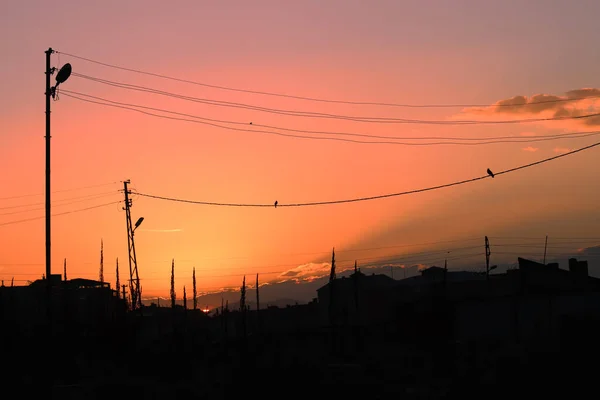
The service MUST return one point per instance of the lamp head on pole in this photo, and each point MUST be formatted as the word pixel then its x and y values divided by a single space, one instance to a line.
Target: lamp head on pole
pixel 138 222
pixel 62 76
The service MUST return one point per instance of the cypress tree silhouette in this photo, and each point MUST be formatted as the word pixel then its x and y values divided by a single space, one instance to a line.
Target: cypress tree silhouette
pixel 184 298
pixel 65 270
pixel 12 281
pixel 331 282
pixel 173 296
pixel 243 295
pixel 195 293
pixel 101 277
pixel 257 296
pixel 118 281
pixel 243 307
pixel 356 285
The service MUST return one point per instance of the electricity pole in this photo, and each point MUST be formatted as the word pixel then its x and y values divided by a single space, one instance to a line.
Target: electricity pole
pixel 134 278
pixel 49 71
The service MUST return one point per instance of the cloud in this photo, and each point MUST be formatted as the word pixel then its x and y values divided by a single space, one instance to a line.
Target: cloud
pixel 309 270
pixel 530 149
pixel 561 150
pixel 162 230
pixel 573 104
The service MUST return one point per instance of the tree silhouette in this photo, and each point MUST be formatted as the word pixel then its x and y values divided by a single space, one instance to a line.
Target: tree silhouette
pixel 243 295
pixel 118 282
pixel 257 295
pixel 173 296
pixel 184 299
pixel 243 307
pixel 101 274
pixel 331 282
pixel 65 270
pixel 355 284
pixel 195 293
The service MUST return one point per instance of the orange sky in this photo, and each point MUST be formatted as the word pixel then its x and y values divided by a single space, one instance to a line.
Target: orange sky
pixel 358 53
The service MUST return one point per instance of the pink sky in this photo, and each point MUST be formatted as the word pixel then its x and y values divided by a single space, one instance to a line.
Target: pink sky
pixel 383 51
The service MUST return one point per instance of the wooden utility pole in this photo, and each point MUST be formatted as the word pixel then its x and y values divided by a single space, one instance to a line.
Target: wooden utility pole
pixel 117 284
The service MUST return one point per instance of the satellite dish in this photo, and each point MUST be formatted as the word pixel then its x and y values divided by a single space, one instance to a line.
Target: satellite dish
pixel 63 74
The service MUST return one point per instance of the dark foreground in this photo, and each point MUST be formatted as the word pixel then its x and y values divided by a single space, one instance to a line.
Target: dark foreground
pixel 366 363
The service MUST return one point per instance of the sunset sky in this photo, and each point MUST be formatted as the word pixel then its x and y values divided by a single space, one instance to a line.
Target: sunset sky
pixel 404 52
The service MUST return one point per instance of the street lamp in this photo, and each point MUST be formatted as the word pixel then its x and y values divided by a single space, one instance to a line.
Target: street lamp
pixel 138 223
pixel 62 75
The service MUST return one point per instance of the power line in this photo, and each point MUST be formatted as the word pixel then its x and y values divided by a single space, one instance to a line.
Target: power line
pixel 61 202
pixel 58 214
pixel 341 251
pixel 213 122
pixel 201 120
pixel 406 256
pixel 310 114
pixel 374 262
pixel 371 197
pixel 321 99
pixel 58 191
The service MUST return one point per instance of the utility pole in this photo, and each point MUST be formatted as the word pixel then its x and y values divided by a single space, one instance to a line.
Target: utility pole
pixel 545 247
pixel 134 278
pixel 49 71
pixel 117 284
pixel 62 76
pixel 487 258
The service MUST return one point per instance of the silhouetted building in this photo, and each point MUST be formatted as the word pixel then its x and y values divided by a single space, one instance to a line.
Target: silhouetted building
pixel 358 299
pixel 80 305
pixel 527 303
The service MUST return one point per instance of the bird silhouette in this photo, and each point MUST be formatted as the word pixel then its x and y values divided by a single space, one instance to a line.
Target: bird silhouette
pixel 275 203
pixel 490 173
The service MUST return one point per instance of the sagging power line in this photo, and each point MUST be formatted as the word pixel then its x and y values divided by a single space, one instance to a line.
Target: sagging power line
pixel 457 141
pixel 59 191
pixel 315 99
pixel 311 114
pixel 59 214
pixel 360 199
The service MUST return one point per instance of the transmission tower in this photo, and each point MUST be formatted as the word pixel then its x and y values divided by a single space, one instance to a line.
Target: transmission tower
pixel 134 278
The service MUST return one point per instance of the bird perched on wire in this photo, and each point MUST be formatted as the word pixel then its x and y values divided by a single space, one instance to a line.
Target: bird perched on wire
pixel 490 173
pixel 275 203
